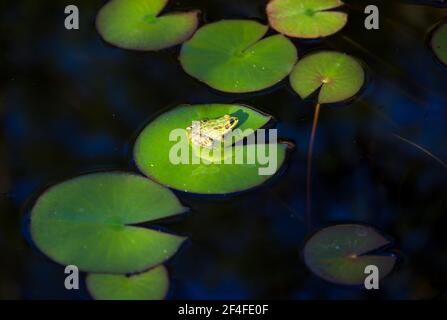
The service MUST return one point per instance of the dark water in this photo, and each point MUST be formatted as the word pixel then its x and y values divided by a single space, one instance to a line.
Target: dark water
pixel 71 104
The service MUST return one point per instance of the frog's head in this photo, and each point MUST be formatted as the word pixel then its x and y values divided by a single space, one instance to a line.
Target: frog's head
pixel 230 122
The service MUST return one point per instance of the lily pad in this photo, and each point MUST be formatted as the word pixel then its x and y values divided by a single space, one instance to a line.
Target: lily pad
pixel 232 56
pixel 138 25
pixel 149 285
pixel 338 76
pixel 154 151
pixel 340 253
pixel 438 42
pixel 88 222
pixel 306 18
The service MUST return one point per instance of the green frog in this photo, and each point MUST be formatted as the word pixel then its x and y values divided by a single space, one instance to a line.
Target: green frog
pixel 211 131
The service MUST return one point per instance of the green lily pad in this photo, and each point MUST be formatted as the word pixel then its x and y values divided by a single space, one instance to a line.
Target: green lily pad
pixel 138 25
pixel 231 56
pixel 438 42
pixel 153 151
pixel 149 285
pixel 306 18
pixel 340 253
pixel 337 75
pixel 88 222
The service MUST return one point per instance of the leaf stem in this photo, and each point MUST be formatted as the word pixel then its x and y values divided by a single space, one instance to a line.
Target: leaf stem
pixel 421 148
pixel 309 167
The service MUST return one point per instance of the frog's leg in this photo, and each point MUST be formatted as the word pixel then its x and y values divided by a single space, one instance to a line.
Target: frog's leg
pixel 207 142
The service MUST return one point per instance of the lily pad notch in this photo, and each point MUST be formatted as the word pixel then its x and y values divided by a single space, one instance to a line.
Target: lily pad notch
pixel 139 24
pixel 307 19
pixel 336 77
pixel 340 253
pixel 438 42
pixel 233 56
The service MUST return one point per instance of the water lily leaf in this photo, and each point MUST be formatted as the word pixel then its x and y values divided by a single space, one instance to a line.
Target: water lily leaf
pixel 149 285
pixel 438 42
pixel 337 75
pixel 88 222
pixel 231 56
pixel 340 253
pixel 154 151
pixel 138 25
pixel 306 18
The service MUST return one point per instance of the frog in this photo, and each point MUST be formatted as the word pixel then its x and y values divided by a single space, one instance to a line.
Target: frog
pixel 211 131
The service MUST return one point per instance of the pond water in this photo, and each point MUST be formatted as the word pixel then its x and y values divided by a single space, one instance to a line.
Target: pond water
pixel 71 104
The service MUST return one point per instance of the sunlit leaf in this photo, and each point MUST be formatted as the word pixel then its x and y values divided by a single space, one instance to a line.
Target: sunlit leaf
pixel 149 285
pixel 338 76
pixel 153 147
pixel 306 18
pixel 138 25
pixel 234 56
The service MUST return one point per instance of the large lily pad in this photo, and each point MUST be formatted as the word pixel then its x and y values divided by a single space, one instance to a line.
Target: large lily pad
pixel 231 56
pixel 340 253
pixel 438 42
pixel 153 149
pixel 138 25
pixel 338 76
pixel 149 285
pixel 435 3
pixel 306 18
pixel 87 221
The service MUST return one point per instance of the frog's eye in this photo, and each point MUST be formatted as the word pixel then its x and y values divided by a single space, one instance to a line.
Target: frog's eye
pixel 232 120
